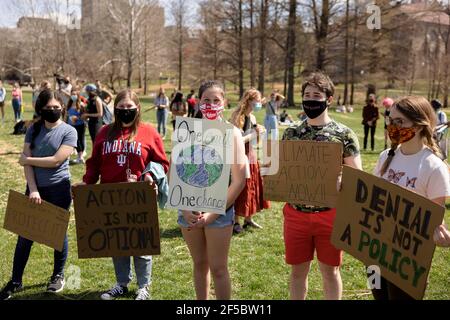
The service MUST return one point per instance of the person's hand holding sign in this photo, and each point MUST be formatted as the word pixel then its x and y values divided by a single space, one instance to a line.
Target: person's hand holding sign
pixel 442 236
pixel 148 178
pixel 35 197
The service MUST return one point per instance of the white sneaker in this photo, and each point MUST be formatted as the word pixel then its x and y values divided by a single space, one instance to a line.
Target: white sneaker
pixel 142 294
pixel 114 292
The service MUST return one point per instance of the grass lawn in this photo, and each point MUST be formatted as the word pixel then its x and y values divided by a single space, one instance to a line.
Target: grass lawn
pixel 257 266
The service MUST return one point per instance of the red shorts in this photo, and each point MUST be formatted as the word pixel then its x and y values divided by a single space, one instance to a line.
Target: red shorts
pixel 305 233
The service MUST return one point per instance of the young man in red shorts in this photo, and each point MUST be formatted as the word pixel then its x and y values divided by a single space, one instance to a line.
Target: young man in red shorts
pixel 307 229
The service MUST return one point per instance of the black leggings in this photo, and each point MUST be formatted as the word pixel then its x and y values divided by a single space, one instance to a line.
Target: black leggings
pixel 372 136
pixel 81 141
pixel 389 291
pixel 94 128
pixel 60 196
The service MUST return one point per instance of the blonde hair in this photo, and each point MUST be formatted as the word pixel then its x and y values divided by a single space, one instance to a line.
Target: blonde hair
pixel 238 116
pixel 419 111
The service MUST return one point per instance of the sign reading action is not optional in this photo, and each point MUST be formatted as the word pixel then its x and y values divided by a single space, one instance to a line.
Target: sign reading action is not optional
pixel 116 220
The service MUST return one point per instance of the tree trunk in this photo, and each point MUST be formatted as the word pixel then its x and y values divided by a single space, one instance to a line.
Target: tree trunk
pixel 240 51
pixel 322 35
pixel 252 45
pixel 262 45
pixel 347 35
pixel 291 52
pixel 355 31
pixel 180 50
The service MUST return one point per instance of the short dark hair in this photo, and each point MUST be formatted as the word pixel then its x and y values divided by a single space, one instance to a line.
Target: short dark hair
pixel 320 80
pixel 208 85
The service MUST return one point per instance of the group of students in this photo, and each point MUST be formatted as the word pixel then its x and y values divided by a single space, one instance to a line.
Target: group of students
pixel 307 228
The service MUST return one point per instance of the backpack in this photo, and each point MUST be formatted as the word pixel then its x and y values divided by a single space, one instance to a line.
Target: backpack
pixel 107 114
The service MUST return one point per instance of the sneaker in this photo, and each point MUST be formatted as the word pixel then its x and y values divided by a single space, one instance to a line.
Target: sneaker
pixel 114 292
pixel 143 294
pixel 9 290
pixel 56 284
pixel 252 224
pixel 237 229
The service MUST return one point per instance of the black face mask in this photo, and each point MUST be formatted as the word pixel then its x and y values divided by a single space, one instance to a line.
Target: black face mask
pixel 126 116
pixel 314 108
pixel 51 116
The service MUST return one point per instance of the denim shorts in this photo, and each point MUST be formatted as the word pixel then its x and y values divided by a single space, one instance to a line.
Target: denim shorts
pixel 221 222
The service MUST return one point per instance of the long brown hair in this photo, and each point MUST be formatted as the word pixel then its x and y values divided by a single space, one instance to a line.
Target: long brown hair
pixel 116 126
pixel 419 111
pixel 238 116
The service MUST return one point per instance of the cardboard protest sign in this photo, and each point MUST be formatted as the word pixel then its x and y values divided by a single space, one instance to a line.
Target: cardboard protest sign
pixel 116 220
pixel 201 162
pixel 385 225
pixel 308 173
pixel 46 224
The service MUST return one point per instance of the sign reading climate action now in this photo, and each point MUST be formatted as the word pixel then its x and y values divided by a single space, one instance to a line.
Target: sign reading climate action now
pixel 45 223
pixel 116 220
pixel 308 173
pixel 201 162
pixel 386 225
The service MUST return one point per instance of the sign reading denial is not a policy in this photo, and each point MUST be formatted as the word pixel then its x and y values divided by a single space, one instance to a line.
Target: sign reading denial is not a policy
pixel 45 223
pixel 116 220
pixel 201 162
pixel 308 173
pixel 388 226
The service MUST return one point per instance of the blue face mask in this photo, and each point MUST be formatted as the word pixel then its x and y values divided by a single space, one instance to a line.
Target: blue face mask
pixel 74 98
pixel 257 106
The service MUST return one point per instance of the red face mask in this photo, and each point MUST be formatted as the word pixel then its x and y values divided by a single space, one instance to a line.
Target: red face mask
pixel 400 135
pixel 211 111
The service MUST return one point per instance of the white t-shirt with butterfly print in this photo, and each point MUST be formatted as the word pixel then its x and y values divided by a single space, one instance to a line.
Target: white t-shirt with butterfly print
pixel 423 173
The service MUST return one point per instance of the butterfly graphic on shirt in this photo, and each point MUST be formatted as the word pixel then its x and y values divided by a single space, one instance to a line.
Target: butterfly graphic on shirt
pixel 411 182
pixel 395 177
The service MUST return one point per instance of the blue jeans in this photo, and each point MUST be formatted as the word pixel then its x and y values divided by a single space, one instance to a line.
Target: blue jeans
pixel 17 107
pixel 221 222
pixel 142 267
pixel 161 117
pixel 271 125
pixel 59 195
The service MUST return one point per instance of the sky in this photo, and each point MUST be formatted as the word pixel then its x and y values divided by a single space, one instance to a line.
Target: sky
pixel 11 11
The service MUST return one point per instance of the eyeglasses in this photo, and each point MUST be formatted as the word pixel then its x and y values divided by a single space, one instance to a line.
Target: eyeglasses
pixel 398 122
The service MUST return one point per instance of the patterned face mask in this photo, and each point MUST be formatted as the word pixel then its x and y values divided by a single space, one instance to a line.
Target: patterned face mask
pixel 400 135
pixel 211 111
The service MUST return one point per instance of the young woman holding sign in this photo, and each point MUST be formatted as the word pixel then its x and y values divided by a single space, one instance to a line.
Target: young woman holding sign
pixel 208 235
pixel 121 153
pixel 48 146
pixel 307 229
pixel 414 162
pixel 250 201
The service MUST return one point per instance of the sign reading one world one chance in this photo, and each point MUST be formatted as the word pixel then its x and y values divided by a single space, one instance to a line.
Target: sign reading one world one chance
pixel 201 162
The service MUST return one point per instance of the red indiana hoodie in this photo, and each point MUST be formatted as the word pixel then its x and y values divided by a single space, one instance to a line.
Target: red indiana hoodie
pixel 110 159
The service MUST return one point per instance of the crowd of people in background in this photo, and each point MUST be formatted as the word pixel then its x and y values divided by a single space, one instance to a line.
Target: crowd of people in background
pixel 414 127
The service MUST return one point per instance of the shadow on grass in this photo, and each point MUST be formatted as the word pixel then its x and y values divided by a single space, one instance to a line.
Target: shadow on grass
pixel 13 153
pixel 43 295
pixel 171 233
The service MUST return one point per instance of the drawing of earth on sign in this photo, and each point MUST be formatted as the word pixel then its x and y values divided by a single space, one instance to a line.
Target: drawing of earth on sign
pixel 199 166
